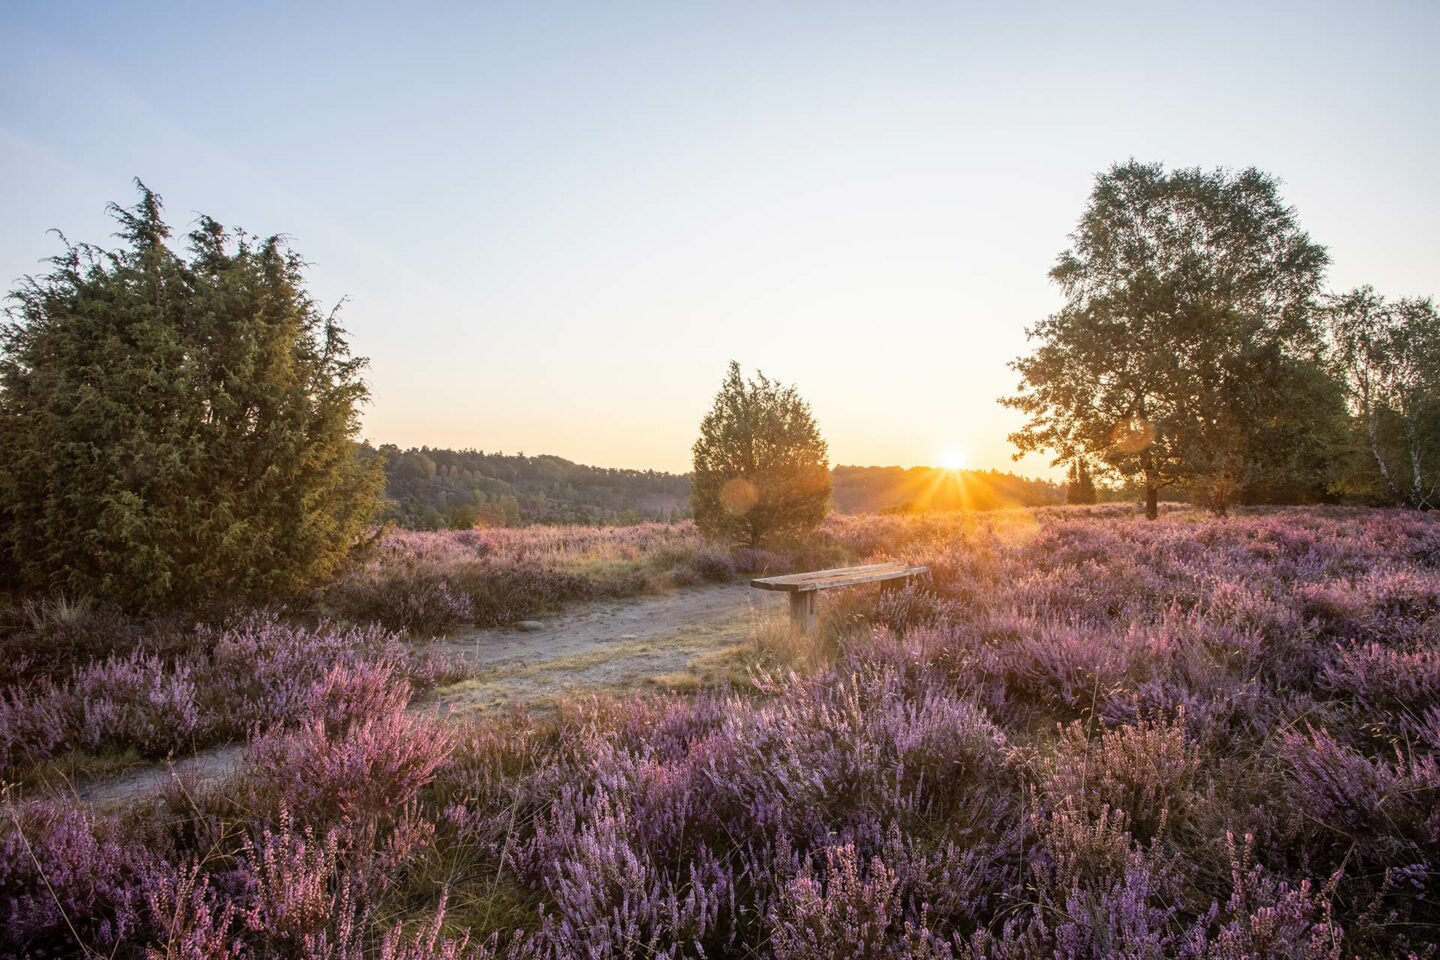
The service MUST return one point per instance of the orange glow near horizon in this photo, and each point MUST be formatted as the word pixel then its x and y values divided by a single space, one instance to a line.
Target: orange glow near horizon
pixel 951 488
pixel 953 458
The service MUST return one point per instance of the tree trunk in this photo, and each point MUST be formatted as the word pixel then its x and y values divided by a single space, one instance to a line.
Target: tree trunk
pixel 1419 498
pixel 1373 429
pixel 1152 485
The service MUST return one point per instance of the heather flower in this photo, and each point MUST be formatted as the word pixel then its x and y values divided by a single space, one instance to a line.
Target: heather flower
pixel 712 566
pixel 1385 810
pixel 191 921
pixel 270 666
pixel 138 701
pixel 848 912
pixel 759 560
pixel 347 694
pixel 34 723
pixel 373 767
pixel 65 884
pixel 1266 917
pixel 294 883
pixel 1378 677
pixel 1146 770
pixel 1035 755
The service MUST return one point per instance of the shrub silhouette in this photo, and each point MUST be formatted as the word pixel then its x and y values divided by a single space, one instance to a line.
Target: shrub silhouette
pixel 761 467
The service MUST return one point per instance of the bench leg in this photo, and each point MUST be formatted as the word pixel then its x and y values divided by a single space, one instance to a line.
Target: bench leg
pixel 804 615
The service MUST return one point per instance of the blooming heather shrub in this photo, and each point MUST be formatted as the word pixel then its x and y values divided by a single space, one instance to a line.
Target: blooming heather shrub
pixel 190 920
pixel 1387 604
pixel 1384 811
pixel 138 701
pixel 852 753
pixel 506 592
pixel 294 884
pixel 685 576
pixel 65 884
pixel 48 637
pixel 848 913
pixel 128 701
pixel 759 560
pixel 257 671
pixel 371 768
pixel 270 666
pixel 1266 917
pixel 712 566
pixel 604 880
pixel 348 694
pixel 1076 848
pixel 1218 711
pixel 1147 771
pixel 1428 729
pixel 1380 678
pixel 1040 755
pixel 35 723
pixel 909 606
pixel 421 601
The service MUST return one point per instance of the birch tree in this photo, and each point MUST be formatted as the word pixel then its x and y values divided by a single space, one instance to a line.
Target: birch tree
pixel 1387 354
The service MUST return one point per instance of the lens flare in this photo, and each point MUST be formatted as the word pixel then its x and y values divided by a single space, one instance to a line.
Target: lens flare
pixel 738 496
pixel 1132 436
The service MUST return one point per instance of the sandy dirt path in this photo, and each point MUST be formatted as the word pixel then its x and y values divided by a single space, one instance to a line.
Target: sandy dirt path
pixel 654 641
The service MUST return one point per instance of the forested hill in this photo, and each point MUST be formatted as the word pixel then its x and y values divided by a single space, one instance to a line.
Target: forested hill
pixel 432 488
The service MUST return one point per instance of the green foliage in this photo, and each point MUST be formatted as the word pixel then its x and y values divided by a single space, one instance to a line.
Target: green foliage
pixel 1387 356
pixel 761 467
pixel 176 427
pixel 1080 488
pixel 1185 351
pixel 430 489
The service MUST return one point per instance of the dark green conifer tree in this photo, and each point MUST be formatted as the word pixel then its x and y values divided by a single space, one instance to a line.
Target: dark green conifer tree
pixel 175 428
pixel 761 467
pixel 1081 488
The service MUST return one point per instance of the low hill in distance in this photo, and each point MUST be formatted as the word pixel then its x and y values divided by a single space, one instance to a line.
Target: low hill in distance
pixel 430 488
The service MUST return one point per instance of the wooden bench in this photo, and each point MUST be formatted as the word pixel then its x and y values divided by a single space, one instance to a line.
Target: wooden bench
pixel 803 587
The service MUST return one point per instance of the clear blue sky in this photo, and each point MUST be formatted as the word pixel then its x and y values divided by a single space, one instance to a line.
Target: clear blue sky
pixel 556 224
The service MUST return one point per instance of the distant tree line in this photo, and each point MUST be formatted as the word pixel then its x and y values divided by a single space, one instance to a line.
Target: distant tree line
pixel 431 488
pixel 1198 352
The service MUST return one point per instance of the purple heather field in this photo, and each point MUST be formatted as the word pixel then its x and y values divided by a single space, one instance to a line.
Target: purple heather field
pixel 1085 736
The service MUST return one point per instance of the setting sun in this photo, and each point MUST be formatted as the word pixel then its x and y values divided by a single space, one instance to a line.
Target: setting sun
pixel 953 459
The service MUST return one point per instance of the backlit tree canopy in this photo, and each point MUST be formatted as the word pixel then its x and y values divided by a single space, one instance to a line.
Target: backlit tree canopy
pixel 1185 350
pixel 761 467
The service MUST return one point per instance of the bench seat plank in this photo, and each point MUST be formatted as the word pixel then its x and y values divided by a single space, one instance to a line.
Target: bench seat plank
pixel 838 577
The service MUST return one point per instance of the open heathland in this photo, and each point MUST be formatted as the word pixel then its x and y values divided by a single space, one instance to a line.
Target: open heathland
pixel 1084 736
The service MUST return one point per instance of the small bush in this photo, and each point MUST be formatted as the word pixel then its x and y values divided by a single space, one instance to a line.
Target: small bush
pixel 371 768
pixel 715 567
